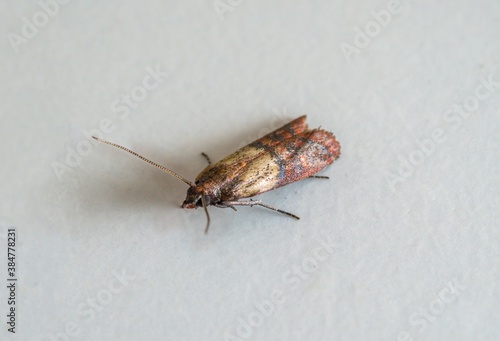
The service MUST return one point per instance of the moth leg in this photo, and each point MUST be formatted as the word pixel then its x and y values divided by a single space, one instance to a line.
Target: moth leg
pixel 224 205
pixel 319 177
pixel 258 203
pixel 207 158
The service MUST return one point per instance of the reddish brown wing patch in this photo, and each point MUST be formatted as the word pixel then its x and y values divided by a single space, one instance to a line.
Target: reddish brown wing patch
pixel 288 131
pixel 305 154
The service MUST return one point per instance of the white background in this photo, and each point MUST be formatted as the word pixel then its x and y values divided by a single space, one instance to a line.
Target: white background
pixel 412 237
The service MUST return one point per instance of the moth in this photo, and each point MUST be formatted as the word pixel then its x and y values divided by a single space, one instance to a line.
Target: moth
pixel 286 155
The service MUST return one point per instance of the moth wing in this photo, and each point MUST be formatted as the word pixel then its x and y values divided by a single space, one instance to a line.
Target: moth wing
pixel 236 162
pixel 291 160
pixel 286 132
pixel 307 154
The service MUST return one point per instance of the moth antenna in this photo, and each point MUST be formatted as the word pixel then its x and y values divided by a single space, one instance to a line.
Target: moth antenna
pixel 206 212
pixel 166 170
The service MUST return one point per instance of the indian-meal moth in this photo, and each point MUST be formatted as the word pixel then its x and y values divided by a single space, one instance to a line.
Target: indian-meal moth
pixel 288 154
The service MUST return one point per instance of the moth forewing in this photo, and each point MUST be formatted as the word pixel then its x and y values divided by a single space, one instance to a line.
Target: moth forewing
pixel 261 175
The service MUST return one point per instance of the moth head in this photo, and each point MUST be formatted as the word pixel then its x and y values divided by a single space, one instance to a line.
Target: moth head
pixel 194 198
pixel 197 197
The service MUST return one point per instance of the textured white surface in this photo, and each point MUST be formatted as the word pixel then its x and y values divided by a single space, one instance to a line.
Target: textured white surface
pixel 392 250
